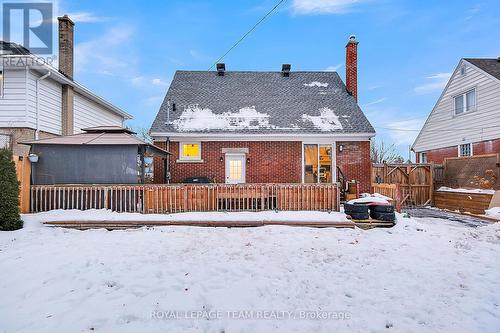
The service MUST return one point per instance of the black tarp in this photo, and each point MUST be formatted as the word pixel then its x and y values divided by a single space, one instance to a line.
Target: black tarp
pixel 86 164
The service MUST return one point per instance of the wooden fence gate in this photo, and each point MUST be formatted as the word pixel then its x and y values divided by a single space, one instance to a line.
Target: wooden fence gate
pixel 415 181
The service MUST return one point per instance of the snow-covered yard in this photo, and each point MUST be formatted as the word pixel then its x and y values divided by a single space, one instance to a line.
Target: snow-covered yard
pixel 420 276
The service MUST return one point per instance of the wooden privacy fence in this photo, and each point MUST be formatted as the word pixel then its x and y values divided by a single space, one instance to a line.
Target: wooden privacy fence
pixel 392 191
pixel 187 198
pixel 23 172
pixel 415 181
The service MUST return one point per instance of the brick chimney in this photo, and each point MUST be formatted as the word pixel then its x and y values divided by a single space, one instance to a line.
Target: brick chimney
pixel 351 66
pixel 66 27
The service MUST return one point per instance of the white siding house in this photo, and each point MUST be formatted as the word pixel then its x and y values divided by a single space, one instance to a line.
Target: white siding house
pixel 26 109
pixel 467 112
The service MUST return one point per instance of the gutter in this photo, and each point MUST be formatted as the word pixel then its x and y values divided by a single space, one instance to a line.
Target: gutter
pixel 37 131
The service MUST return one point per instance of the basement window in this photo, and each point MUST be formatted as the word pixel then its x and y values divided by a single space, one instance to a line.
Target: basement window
pixel 465 150
pixel 190 151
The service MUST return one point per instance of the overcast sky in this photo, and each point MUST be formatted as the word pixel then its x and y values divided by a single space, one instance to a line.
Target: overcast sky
pixel 128 51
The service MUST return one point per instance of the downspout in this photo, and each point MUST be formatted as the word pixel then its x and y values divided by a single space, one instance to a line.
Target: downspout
pixel 37 132
pixel 166 165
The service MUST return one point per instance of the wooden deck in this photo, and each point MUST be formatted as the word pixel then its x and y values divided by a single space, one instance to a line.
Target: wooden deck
pixel 120 225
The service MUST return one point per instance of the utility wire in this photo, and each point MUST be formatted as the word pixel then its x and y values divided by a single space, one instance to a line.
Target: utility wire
pixel 436 130
pixel 248 32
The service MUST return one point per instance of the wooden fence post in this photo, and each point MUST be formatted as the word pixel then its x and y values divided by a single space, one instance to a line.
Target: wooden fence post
pixel 397 198
pixel 431 188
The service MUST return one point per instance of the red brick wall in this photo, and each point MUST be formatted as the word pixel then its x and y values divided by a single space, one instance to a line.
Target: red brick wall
pixel 486 147
pixel 270 162
pixel 478 148
pixel 354 162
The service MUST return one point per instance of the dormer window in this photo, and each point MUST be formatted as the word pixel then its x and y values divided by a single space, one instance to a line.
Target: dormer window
pixel 465 102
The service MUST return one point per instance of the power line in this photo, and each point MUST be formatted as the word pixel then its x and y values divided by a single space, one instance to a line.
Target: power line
pixel 436 130
pixel 248 32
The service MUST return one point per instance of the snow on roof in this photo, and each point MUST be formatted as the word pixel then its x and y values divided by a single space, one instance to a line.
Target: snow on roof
pixel 282 99
pixel 316 84
pixel 194 118
pixel 326 121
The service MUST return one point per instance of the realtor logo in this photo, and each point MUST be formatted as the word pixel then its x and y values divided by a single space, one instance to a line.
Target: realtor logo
pixel 29 24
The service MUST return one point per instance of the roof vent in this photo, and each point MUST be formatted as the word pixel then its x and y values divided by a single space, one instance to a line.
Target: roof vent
pixel 221 68
pixel 285 69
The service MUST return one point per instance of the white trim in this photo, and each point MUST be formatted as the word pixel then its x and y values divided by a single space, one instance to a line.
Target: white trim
pixel 189 161
pixel 312 138
pixel 234 150
pixel 183 158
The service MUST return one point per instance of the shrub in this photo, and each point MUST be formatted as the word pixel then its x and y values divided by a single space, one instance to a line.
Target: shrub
pixel 9 193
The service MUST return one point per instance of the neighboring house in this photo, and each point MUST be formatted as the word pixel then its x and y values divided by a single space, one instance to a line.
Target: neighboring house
pixel 98 155
pixel 264 127
pixel 39 101
pixel 466 118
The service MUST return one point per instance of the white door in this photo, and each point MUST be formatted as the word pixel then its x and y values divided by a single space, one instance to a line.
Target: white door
pixel 235 168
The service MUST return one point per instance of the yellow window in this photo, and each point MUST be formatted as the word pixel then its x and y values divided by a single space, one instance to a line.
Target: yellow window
pixel 191 150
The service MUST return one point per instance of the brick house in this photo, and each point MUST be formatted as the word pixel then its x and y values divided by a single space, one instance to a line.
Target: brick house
pixel 466 118
pixel 264 127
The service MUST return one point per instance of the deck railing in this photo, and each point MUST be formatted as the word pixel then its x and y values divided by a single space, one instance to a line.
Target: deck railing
pixel 186 197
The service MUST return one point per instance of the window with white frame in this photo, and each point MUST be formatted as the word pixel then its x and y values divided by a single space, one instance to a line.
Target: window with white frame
pixel 318 163
pixel 423 157
pixel 190 151
pixel 465 149
pixel 465 102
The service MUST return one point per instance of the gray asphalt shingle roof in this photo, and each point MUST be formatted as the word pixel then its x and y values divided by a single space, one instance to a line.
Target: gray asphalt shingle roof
pixel 282 100
pixel 490 66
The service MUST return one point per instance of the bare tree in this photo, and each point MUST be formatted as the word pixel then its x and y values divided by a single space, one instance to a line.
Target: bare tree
pixel 142 133
pixel 381 152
